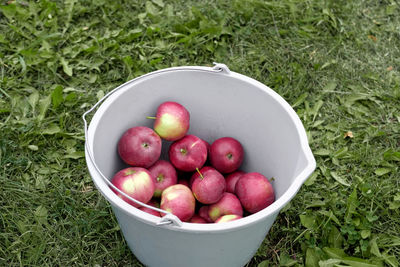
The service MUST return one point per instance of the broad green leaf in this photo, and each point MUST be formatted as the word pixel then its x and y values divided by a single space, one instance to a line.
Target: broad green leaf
pixel 263 264
pixel 308 221
pixel 374 247
pixel 331 216
pixel 316 203
pixel 43 107
pixel 317 123
pixel 335 161
pixel 286 207
pixel 371 217
pixel 352 203
pixel 70 99
pixel 397 197
pixel 339 179
pixel 92 78
pixel 357 262
pixel 391 155
pixel 151 9
pixel 131 35
pixel 52 129
pixel 169 10
pixel 341 152
pixel 41 182
pixel 349 100
pixel 394 205
pixel 66 68
pixel 9 10
pixel 329 263
pixel 335 238
pixel 75 155
pixel 330 86
pixel 316 108
pixel 300 100
pixel 100 94
pixel 33 99
pixel 312 258
pixel 323 152
pixel 365 233
pixel 312 178
pixel 41 214
pixel 286 260
pixel 382 171
pixel 23 64
pixel 327 64
pixel 57 96
pixel 334 253
pixel 33 147
pixel 160 3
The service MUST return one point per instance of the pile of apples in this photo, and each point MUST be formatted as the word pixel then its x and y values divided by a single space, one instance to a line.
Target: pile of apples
pixel 207 196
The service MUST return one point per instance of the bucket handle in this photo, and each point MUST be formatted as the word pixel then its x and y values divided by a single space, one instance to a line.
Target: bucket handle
pixel 168 218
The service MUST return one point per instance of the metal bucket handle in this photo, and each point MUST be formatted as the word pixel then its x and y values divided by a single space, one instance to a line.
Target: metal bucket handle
pixel 168 218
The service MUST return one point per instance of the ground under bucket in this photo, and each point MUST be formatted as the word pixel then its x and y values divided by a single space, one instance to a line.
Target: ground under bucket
pixel 221 103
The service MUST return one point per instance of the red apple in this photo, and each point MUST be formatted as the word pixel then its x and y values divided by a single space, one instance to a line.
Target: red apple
pixel 207 145
pixel 164 175
pixel 153 203
pixel 188 153
pixel 254 191
pixel 140 147
pixel 179 200
pixel 172 121
pixel 136 182
pixel 203 213
pixel 228 204
pixel 197 219
pixel 208 185
pixel 208 152
pixel 191 180
pixel 228 218
pixel 231 180
pixel 226 154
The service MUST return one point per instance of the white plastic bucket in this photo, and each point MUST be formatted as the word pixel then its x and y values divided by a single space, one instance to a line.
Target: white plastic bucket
pixel 221 103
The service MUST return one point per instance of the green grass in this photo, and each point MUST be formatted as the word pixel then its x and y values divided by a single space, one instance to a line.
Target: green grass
pixel 336 62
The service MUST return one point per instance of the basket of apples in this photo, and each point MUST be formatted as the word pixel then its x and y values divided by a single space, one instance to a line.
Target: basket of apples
pixel 193 186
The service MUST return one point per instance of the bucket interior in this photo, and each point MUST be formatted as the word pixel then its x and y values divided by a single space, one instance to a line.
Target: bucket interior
pixel 220 105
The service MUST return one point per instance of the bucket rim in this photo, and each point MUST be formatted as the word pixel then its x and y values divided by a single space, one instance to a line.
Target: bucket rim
pixel 274 208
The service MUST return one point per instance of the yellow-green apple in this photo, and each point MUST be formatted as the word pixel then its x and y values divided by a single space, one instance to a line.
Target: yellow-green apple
pixel 228 218
pixel 136 182
pixel 208 185
pixel 254 191
pixel 164 175
pixel 231 181
pixel 228 204
pixel 188 153
pixel 226 154
pixel 179 200
pixel 172 121
pixel 203 213
pixel 140 147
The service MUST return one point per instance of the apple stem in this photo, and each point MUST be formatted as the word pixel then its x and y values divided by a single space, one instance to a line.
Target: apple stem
pixel 152 118
pixel 272 179
pixel 201 175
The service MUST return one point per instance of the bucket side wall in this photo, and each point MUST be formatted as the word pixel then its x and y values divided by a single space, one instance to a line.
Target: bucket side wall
pixel 158 246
